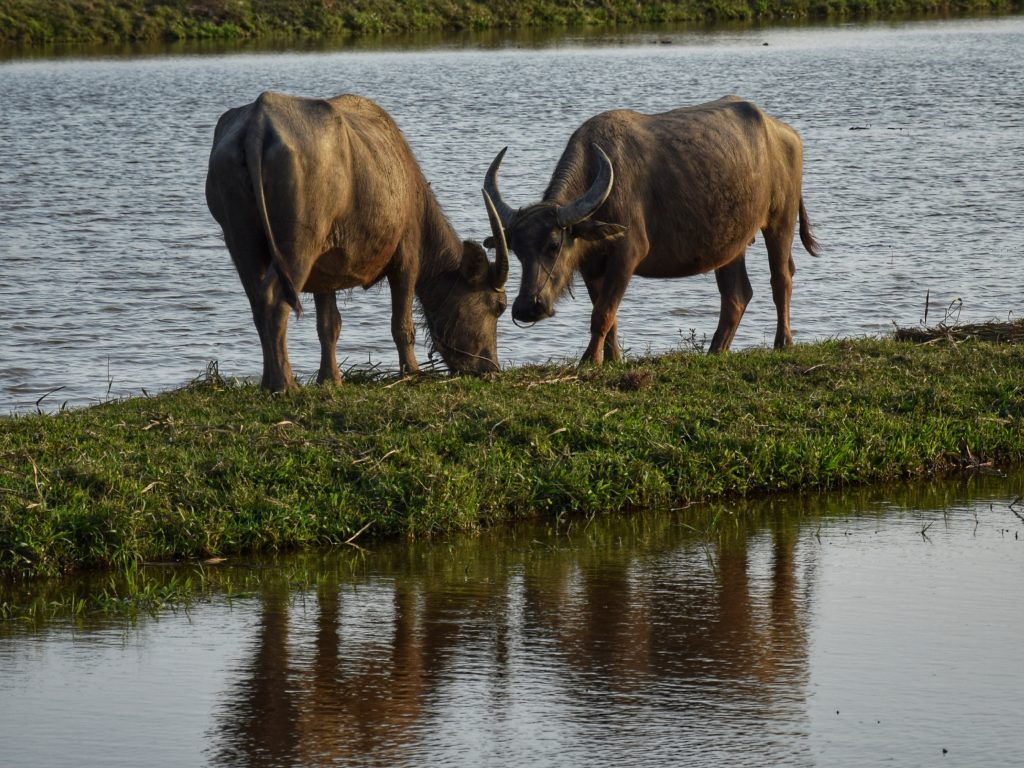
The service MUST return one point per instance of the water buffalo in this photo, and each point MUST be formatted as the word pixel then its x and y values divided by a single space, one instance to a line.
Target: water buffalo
pixel 673 194
pixel 320 195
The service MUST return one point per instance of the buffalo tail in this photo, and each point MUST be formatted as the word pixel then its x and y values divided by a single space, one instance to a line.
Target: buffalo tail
pixel 254 151
pixel 806 237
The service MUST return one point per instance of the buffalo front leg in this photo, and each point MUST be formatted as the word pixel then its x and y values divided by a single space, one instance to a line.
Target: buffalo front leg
pixel 273 314
pixel 328 329
pixel 612 351
pixel 603 319
pixel 780 261
pixel 735 291
pixel 402 329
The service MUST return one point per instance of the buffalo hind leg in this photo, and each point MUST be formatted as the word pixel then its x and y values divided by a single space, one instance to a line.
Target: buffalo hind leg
pixel 734 288
pixel 272 310
pixel 269 310
pixel 780 260
pixel 328 329
pixel 251 258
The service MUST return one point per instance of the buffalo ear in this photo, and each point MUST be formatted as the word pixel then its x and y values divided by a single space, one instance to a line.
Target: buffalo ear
pixel 475 266
pixel 489 243
pixel 597 230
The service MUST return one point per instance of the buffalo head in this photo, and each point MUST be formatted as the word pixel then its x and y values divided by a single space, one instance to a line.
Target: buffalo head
pixel 467 303
pixel 548 238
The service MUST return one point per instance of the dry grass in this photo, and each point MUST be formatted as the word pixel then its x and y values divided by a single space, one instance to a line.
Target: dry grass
pixel 1010 332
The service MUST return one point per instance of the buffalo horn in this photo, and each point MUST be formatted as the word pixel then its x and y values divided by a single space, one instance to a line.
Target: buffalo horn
pixel 583 207
pixel 500 244
pixel 491 188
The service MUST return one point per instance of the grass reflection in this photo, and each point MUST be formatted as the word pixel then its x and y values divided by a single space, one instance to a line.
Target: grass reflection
pixel 550 550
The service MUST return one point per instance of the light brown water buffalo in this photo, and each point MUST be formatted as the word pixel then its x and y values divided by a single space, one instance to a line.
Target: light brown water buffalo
pixel 320 195
pixel 667 195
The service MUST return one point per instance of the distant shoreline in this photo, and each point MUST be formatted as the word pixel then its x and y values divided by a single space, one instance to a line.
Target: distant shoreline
pixel 36 23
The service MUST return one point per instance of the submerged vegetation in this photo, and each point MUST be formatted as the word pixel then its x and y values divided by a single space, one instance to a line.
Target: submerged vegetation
pixel 219 468
pixel 38 22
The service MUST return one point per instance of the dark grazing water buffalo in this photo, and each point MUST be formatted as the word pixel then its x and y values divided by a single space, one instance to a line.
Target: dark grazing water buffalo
pixel 320 195
pixel 667 195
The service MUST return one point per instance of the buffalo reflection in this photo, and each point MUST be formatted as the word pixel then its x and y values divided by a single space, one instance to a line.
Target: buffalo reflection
pixel 626 617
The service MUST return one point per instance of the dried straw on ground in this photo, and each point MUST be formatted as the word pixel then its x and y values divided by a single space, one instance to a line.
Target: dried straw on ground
pixel 998 332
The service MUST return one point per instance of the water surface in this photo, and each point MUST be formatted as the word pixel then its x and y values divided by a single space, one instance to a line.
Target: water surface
pixel 114 278
pixel 874 627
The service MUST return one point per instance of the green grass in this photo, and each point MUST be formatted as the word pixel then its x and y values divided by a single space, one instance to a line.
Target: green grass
pixel 41 22
pixel 221 469
pixel 552 545
pixel 128 595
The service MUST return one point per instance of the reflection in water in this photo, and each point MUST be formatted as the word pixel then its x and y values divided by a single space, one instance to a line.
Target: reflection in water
pixel 266 711
pixel 729 635
pixel 637 629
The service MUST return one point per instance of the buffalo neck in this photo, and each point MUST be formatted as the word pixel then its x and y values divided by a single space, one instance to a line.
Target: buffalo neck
pixel 440 252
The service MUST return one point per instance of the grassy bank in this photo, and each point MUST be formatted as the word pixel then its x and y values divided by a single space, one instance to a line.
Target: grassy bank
pixel 100 599
pixel 38 22
pixel 218 469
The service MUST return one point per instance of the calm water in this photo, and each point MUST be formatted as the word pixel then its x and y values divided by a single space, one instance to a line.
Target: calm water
pixel 874 628
pixel 114 278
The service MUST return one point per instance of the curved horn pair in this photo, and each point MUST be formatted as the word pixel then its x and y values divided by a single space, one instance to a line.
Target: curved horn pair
pixel 569 214
pixel 500 244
